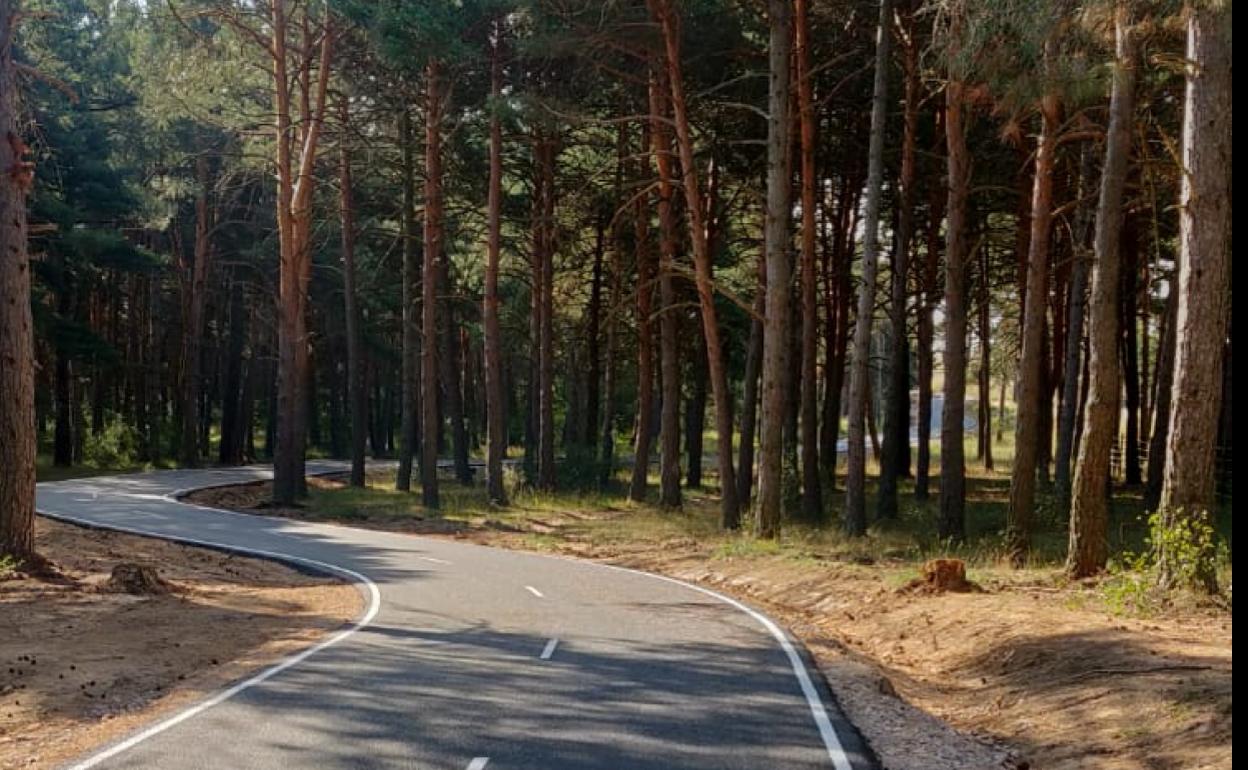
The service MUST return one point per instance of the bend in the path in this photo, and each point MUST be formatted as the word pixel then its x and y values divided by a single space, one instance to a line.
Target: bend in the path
pixel 457 663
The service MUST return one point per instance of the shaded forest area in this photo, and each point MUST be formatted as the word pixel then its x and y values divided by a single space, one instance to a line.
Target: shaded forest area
pixel 776 250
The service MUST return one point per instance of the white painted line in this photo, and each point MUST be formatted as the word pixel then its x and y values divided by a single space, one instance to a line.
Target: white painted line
pixel 534 591
pixel 435 561
pixel 374 605
pixel 549 649
pixel 478 763
pixel 832 742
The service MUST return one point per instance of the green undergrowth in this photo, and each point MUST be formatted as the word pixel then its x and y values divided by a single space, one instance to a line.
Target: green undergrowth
pixel 607 523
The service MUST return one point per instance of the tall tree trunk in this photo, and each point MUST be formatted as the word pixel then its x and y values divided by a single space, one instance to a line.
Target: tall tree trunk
pixel 929 298
pixel 546 330
pixel 312 390
pixel 1089 515
pixel 1187 493
pixel 749 388
pixel 854 520
pixel 412 275
pixel 1076 302
pixel 792 390
pixel 1161 406
pixel 985 365
pixel 1048 391
pixel 606 433
pixel 897 391
pixel 247 404
pixel 1001 409
pixel 695 418
pixel 496 444
pixel 336 403
pixel 779 271
pixel 376 433
pixel 812 493
pixel 1021 509
pixel 430 421
pixel 1129 346
pixel 230 451
pixel 703 268
pixel 357 398
pixel 536 235
pixel 141 329
pixel 593 333
pixel 843 256
pixel 951 524
pixel 193 330
pixel 829 264
pixel 873 433
pixel 295 183
pixel 452 375
pixel 669 363
pixel 17 340
pixel 1226 424
pixel 645 353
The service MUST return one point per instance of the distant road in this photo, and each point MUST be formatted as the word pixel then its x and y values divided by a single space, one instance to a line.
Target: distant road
pixel 475 657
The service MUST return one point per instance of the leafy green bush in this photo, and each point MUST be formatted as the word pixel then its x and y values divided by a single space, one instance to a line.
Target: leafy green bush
pixel 114 447
pixel 1185 547
pixel 1182 550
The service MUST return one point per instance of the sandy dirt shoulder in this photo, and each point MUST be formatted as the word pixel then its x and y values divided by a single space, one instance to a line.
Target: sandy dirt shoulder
pixel 1031 672
pixel 81 665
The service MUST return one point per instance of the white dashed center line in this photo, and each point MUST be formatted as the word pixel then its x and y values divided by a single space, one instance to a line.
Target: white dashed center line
pixel 478 763
pixel 549 649
pixel 534 591
pixel 435 561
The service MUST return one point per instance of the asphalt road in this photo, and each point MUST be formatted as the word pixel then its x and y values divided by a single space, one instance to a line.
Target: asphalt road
pixel 475 657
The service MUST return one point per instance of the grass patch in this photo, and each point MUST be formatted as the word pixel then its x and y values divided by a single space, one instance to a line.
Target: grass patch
pixel 45 470
pixel 608 518
pixel 606 524
pixel 744 546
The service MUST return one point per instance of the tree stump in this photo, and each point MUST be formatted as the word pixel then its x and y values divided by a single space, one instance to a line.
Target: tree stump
pixel 937 576
pixel 136 579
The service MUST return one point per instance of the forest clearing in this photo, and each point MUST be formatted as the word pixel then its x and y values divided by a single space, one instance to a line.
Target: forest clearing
pixel 866 365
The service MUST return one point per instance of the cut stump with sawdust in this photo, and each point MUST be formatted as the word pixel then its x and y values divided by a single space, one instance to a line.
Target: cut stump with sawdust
pixel 938 576
pixel 138 580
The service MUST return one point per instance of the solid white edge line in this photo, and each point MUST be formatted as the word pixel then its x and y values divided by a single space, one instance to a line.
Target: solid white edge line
pixel 478 763
pixel 549 649
pixel 831 741
pixel 535 592
pixel 361 580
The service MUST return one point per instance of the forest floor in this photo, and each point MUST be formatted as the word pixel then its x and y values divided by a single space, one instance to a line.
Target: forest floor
pixel 82 664
pixel 1032 671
